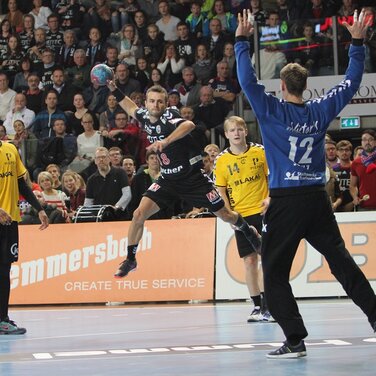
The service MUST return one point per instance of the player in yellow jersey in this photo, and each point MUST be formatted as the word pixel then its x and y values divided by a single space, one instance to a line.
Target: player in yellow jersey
pixel 241 176
pixel 12 183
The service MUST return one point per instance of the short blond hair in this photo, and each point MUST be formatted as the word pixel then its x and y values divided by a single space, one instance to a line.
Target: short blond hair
pixel 46 175
pixel 237 120
pixel 87 116
pixel 214 146
pixel 157 89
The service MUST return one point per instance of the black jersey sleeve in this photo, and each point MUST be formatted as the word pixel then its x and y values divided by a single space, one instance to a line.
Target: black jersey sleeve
pixel 173 116
pixel 141 115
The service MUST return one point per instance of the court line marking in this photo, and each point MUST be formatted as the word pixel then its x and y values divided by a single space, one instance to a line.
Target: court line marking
pixel 179 307
pixel 201 348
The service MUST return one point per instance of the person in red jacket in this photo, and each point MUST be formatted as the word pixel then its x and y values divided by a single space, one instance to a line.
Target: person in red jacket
pixel 125 134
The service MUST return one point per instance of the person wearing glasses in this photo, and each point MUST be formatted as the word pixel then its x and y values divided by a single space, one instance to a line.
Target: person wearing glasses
pixel 108 185
pixel 87 144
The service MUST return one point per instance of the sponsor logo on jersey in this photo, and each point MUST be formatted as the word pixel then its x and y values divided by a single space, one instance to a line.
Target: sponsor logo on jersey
pixel 248 179
pixel 14 249
pixel 158 129
pixel 148 129
pixel 154 187
pixel 296 175
pixel 6 174
pixel 212 196
pixel 168 171
pixel 304 128
pixel 152 139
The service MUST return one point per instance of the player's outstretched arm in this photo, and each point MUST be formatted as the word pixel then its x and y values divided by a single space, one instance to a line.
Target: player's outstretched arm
pixel 254 91
pixel 182 130
pixel 126 103
pixel 128 106
pixel 333 104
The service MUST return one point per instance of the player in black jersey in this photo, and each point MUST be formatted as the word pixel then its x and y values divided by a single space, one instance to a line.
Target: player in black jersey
pixel 181 175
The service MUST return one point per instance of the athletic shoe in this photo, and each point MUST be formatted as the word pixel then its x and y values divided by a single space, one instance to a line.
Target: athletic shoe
pixel 255 315
pixel 9 327
pixel 256 239
pixel 374 327
pixel 125 267
pixel 287 351
pixel 266 317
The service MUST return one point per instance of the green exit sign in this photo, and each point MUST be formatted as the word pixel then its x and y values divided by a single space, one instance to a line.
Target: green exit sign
pixel 350 122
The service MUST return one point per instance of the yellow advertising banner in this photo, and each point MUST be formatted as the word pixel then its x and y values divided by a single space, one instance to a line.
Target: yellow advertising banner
pixel 75 263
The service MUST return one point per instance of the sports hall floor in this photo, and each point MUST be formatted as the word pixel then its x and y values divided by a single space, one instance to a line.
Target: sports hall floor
pixel 184 339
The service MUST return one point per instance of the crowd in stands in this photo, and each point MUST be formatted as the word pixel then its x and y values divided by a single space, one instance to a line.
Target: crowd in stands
pixel 58 118
pixel 351 173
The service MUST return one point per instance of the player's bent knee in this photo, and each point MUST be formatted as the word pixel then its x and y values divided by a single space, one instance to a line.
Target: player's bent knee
pixel 139 216
pixel 251 260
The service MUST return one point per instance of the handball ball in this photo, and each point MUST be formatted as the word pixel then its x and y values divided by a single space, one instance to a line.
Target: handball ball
pixel 100 74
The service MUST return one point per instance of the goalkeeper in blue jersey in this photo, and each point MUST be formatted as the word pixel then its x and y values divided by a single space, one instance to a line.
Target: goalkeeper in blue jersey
pixel 293 133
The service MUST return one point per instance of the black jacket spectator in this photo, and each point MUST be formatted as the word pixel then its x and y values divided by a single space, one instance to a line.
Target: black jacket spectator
pixel 64 56
pixel 153 49
pixel 214 114
pixel 64 96
pixel 108 190
pixel 216 47
pixel 96 98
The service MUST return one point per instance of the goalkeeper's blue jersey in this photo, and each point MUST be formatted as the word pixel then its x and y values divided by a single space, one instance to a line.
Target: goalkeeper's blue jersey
pixel 294 135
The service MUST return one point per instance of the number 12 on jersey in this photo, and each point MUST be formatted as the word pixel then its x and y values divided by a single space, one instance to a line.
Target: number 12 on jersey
pixel 305 144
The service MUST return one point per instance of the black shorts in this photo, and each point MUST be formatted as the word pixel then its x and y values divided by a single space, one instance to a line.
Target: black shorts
pixel 9 243
pixel 242 243
pixel 197 189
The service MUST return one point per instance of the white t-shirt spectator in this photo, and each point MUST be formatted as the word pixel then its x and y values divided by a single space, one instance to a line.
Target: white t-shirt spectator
pixel 41 17
pixel 87 145
pixel 6 103
pixel 27 116
pixel 169 29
